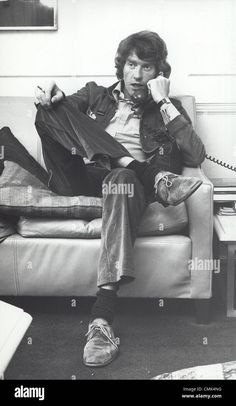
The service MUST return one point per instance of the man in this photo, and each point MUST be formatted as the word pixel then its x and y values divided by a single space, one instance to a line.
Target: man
pixel 131 134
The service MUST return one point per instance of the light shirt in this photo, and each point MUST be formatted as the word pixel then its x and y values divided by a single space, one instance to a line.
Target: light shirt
pixel 125 125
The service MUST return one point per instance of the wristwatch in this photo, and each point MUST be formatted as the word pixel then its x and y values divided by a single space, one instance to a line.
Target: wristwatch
pixel 163 101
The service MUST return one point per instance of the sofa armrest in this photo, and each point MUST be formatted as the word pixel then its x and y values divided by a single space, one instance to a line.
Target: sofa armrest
pixel 200 215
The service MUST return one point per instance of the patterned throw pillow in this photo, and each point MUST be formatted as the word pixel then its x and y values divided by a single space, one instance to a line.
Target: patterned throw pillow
pixel 21 193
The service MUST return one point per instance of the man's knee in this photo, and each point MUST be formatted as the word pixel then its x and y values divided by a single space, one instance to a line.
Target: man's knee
pixel 40 111
pixel 41 117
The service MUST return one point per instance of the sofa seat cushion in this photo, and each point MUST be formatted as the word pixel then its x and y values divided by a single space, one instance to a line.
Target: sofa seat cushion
pixel 156 220
pixel 68 267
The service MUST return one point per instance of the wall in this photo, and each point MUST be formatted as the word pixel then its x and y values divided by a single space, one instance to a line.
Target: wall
pixel 200 35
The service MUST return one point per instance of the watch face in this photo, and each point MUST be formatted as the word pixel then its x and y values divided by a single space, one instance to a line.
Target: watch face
pixel 165 101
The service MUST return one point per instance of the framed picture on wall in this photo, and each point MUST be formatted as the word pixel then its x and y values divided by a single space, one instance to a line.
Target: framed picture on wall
pixel 28 15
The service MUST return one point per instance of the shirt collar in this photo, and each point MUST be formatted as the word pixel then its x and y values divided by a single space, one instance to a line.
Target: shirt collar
pixel 117 92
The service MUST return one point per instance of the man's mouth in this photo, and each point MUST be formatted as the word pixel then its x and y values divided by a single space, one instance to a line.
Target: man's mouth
pixel 137 85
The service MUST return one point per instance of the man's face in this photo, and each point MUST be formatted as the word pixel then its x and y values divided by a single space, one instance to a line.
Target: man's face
pixel 136 73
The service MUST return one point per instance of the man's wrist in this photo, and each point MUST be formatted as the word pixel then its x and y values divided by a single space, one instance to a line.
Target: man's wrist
pixel 168 112
pixel 163 102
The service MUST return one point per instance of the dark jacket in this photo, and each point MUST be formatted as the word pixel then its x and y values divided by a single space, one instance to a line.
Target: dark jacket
pixel 169 147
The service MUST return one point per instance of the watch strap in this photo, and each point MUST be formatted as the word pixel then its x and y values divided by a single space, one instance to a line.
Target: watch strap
pixel 163 101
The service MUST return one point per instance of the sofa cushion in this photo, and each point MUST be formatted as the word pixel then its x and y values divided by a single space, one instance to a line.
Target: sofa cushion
pixel 156 220
pixel 21 193
pixel 59 228
pixel 159 220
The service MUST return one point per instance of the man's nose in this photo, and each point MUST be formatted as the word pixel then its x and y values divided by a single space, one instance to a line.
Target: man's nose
pixel 138 73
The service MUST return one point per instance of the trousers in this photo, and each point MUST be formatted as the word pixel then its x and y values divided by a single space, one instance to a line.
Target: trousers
pixel 67 137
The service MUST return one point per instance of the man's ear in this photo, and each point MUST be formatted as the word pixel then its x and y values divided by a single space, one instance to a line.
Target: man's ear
pixel 165 68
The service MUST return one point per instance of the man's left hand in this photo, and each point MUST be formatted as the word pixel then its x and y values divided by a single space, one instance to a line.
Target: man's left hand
pixel 159 88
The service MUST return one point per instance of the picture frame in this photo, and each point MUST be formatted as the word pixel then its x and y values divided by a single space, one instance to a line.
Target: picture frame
pixel 18 15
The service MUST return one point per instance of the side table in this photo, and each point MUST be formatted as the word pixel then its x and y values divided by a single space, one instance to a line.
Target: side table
pixel 225 228
pixel 13 324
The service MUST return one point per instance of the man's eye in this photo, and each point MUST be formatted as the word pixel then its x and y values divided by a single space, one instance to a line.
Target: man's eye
pixel 147 67
pixel 131 65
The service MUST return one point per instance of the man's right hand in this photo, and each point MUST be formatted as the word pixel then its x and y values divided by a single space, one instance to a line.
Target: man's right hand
pixel 48 94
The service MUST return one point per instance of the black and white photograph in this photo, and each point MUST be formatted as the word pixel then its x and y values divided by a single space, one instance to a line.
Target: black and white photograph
pixel 118 195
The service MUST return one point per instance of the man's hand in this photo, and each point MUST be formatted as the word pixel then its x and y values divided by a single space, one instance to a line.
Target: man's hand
pixel 159 88
pixel 48 94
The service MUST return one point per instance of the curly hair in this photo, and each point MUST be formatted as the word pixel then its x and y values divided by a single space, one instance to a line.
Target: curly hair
pixel 148 46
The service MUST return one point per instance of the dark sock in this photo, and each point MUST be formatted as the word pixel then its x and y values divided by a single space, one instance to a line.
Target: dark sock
pixel 146 173
pixel 104 307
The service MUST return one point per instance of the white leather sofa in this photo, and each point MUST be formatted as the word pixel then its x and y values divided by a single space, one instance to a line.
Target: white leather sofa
pixel 67 266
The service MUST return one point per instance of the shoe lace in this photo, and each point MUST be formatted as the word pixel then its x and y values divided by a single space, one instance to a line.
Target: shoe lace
pixel 93 328
pixel 168 182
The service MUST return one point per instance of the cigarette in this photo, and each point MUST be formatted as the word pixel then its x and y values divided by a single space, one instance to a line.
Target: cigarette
pixel 41 89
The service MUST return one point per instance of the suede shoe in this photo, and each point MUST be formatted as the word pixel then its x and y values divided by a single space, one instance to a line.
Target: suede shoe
pixel 102 345
pixel 172 189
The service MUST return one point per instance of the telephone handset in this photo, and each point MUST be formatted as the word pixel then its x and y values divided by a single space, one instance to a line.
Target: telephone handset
pixel 141 96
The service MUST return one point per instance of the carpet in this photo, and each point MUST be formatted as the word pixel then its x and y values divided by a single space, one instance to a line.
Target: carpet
pixel 222 371
pixel 154 339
